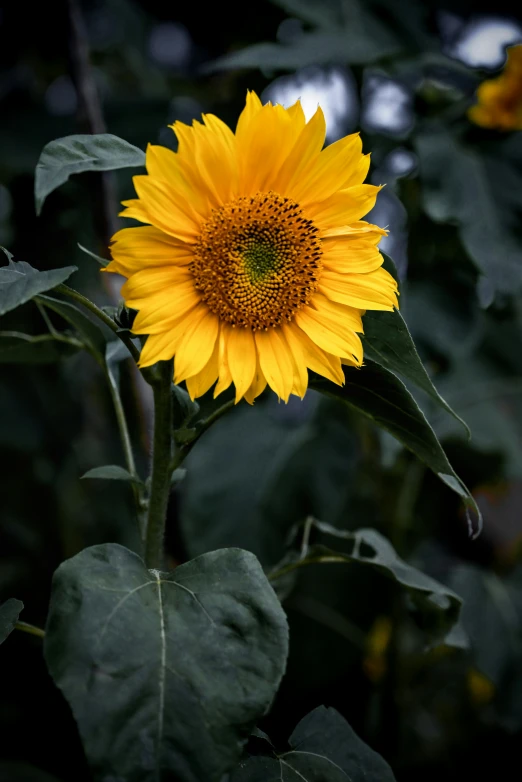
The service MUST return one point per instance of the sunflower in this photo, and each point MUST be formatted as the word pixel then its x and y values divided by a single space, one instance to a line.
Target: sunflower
pixel 499 101
pixel 253 265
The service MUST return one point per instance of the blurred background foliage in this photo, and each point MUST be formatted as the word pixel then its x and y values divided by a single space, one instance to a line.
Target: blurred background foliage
pixel 404 73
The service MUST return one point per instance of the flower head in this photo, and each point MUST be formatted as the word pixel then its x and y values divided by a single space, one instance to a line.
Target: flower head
pixel 500 100
pixel 253 265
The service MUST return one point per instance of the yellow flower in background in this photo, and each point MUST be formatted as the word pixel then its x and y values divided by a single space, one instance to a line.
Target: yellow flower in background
pixel 254 264
pixel 500 100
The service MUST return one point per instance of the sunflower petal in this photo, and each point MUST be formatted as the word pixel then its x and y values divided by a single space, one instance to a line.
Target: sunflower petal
pixel 196 345
pixel 275 362
pixel 242 359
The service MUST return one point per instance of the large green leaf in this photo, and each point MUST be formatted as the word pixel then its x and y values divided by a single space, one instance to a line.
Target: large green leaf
pixel 9 613
pixel 18 348
pixel 437 606
pixel 75 154
pixel 166 673
pixel 381 396
pixel 323 748
pixel 479 192
pixel 388 342
pixel 19 282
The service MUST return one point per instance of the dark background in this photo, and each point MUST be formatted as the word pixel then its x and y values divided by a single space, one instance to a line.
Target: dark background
pixel 354 645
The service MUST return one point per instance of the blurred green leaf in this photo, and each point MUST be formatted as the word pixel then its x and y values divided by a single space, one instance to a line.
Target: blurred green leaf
pixel 75 154
pixel 20 283
pixel 481 194
pixel 201 651
pixel 437 605
pixel 9 613
pixel 102 261
pixel 18 348
pixel 379 394
pixel 323 747
pixel 184 409
pixel 111 472
pixel 347 33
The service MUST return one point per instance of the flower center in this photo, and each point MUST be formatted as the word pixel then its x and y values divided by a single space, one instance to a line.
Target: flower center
pixel 257 261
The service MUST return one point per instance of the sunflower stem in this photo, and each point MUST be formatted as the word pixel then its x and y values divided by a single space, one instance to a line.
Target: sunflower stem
pixel 160 381
pixel 108 321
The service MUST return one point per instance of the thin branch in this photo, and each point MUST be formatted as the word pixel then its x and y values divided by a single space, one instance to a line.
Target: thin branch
pixel 31 629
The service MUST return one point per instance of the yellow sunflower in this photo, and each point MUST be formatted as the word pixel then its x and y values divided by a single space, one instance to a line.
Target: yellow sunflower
pixel 499 100
pixel 254 264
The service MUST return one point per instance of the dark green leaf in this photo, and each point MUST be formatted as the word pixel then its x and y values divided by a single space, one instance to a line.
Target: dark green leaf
pixel 92 335
pixel 110 472
pixel 388 342
pixel 381 396
pixel 9 613
pixel 437 605
pixel 177 665
pixel 18 348
pixel 75 154
pixel 21 772
pixel 324 748
pixel 184 409
pixel 481 194
pixel 19 283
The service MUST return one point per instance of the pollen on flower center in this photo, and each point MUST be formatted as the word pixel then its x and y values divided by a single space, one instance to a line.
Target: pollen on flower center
pixel 257 261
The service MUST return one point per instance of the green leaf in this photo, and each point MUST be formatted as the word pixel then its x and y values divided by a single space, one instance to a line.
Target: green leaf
pixel 177 665
pixel 388 342
pixel 9 613
pixel 111 472
pixel 184 409
pixel 479 192
pixel 19 282
pixel 379 394
pixel 323 747
pixel 75 154
pixel 18 348
pixel 92 335
pixel 438 606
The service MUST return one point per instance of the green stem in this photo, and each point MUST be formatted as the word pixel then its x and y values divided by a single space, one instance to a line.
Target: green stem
pixel 183 451
pixel 161 460
pixel 137 488
pixel 101 315
pixel 31 629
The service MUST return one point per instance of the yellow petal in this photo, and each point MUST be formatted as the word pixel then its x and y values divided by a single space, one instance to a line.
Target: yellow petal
pixel 328 333
pixel 318 360
pixel 300 383
pixel 199 384
pixel 165 210
pixel 344 207
pixel 376 290
pixel 216 159
pixel 149 282
pixel 225 378
pixel 133 249
pixel 330 170
pixel 303 155
pixel 163 164
pixel 349 255
pixel 252 107
pixel 275 361
pixel 161 312
pixel 258 386
pixel 242 358
pixel 195 345
pixel 347 316
pixel 158 347
pixel 263 146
